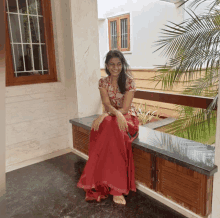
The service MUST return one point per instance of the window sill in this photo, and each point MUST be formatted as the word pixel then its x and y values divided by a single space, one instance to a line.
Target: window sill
pixel 126 52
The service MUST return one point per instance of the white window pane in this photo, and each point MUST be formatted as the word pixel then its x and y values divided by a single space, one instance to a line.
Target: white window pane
pixel 27 57
pixel 34 29
pixel 113 28
pixel 124 33
pixel 25 29
pixel 15 28
pixel 37 57
pixel 18 57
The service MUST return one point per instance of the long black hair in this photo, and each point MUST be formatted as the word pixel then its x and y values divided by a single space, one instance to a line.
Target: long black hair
pixel 125 68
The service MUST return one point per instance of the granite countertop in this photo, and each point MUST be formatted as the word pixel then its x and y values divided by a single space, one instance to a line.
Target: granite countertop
pixel 193 155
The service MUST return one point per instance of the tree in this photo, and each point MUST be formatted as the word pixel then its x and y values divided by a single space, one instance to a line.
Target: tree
pixel 192 50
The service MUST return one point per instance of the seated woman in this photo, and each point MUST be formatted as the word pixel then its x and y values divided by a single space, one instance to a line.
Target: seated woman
pixel 110 167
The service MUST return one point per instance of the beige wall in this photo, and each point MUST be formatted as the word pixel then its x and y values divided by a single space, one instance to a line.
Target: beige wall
pixel 84 20
pixel 2 113
pixel 144 81
pixel 37 116
pixel 35 121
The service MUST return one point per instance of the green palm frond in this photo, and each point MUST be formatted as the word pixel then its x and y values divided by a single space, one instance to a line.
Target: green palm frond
pixel 207 85
pixel 192 119
pixel 190 47
pixel 197 37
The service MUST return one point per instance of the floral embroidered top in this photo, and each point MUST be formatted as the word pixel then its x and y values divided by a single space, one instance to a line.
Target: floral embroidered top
pixel 116 98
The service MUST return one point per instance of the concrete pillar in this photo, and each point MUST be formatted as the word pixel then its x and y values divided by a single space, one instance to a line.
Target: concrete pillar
pixel 2 129
pixel 77 56
pixel 86 55
pixel 2 111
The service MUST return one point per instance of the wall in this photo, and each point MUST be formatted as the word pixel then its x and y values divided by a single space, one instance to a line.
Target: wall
pixel 144 81
pixel 2 113
pixel 146 18
pixel 35 121
pixel 199 9
pixel 37 116
pixel 84 20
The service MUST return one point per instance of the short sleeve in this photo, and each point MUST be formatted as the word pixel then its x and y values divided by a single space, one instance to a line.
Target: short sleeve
pixel 130 85
pixel 102 83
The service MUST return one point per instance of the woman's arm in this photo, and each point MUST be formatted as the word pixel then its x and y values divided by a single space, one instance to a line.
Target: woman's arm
pixel 122 124
pixel 129 95
pixel 107 103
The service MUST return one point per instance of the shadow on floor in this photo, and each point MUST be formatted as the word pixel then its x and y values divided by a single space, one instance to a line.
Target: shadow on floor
pixel 48 190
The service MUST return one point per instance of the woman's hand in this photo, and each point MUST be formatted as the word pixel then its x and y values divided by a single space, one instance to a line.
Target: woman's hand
pixel 122 123
pixel 96 123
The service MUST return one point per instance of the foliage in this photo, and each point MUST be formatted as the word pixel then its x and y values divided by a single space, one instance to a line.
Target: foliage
pixel 192 50
pixel 145 115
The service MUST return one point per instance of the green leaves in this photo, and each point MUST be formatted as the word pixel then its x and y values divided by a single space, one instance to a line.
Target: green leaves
pixel 192 49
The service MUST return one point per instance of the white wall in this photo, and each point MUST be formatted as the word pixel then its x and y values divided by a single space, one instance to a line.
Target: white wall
pixel 37 116
pixel 202 8
pixel 2 115
pixel 147 19
pixel 85 34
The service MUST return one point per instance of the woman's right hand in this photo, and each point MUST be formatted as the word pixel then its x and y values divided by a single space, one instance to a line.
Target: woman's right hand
pixel 96 123
pixel 122 123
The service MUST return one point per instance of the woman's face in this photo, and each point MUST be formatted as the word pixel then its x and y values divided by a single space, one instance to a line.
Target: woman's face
pixel 114 66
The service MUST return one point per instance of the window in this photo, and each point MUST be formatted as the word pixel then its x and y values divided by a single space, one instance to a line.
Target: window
pixel 119 33
pixel 30 55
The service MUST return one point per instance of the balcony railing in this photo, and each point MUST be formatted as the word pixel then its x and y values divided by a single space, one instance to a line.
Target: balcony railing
pixel 185 100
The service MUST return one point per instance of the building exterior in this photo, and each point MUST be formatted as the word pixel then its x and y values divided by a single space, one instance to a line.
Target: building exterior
pixel 145 19
pixel 133 27
pixel 37 114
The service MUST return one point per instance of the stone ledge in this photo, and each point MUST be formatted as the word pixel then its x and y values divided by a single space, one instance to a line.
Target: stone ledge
pixel 187 153
pixel 160 123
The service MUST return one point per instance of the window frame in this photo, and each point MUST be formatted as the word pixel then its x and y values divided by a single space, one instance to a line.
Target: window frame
pixel 11 80
pixel 118 24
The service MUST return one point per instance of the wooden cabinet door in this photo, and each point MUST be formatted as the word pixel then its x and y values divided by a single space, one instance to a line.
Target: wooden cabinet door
pixel 81 139
pixel 184 186
pixel 143 170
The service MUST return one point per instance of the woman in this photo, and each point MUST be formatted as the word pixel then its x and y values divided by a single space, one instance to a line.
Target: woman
pixel 110 167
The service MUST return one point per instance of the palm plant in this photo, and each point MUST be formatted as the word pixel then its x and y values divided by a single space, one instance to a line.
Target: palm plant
pixel 192 49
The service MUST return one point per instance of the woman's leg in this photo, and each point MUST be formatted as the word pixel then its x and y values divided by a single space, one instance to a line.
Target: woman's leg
pixel 110 162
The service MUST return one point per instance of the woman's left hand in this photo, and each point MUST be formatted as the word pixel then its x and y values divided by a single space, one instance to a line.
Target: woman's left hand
pixel 122 123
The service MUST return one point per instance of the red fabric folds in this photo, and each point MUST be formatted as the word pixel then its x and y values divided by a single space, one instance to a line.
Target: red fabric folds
pixel 110 167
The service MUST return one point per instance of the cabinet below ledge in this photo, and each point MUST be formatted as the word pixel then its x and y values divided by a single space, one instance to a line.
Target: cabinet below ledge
pixel 190 188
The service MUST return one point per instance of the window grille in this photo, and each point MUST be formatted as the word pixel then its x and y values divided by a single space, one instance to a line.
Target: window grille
pixel 114 35
pixel 124 33
pixel 26 30
pixel 119 32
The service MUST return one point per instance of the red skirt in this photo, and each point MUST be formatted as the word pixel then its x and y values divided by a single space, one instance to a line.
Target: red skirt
pixel 110 167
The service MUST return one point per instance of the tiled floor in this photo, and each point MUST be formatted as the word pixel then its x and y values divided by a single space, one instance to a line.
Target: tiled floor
pixel 48 189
